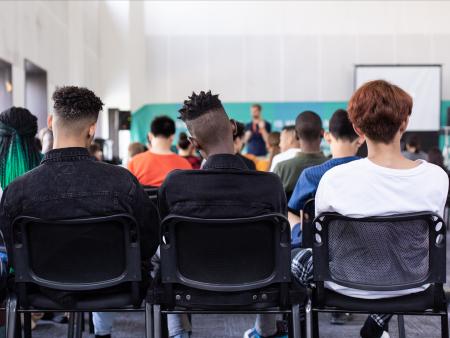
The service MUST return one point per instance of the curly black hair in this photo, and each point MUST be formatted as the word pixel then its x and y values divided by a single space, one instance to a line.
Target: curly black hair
pixel 76 103
pixel 197 105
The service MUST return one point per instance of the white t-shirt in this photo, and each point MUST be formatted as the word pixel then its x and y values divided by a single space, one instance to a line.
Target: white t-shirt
pixel 284 156
pixel 362 188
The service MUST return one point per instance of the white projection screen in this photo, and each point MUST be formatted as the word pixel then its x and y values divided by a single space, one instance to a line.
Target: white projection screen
pixel 423 83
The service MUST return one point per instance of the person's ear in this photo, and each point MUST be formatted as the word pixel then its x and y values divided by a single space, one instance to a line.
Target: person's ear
pixel 358 131
pixel 50 122
pixel 233 127
pixel 150 137
pixel 359 141
pixel 328 137
pixel 91 132
pixel 195 143
pixel 322 133
pixel 404 125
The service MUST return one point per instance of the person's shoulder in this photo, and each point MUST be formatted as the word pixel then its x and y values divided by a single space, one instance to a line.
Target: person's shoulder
pixel 139 157
pixel 182 162
pixel 435 171
pixel 344 169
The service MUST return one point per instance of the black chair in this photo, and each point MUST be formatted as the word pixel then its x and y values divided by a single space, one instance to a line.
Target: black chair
pixel 307 223
pixel 152 192
pixel 387 253
pixel 75 265
pixel 227 266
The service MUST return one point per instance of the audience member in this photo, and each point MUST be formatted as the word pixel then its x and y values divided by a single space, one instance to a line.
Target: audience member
pixel 135 148
pixel 289 146
pixel 257 132
pixel 152 167
pixel 435 157
pixel 225 178
pixel 95 151
pixel 187 150
pixel 239 143
pixel 46 137
pixel 18 150
pixel 413 150
pixel 384 183
pixel 70 184
pixel 273 147
pixel 344 144
pixel 308 127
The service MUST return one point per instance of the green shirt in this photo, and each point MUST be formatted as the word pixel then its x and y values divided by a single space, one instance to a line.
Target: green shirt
pixel 290 170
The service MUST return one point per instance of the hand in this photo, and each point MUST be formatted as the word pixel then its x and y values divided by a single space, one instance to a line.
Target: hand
pixel 262 124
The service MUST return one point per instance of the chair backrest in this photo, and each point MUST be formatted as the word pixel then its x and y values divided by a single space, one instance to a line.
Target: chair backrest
pixel 307 223
pixel 76 254
pixel 225 254
pixel 380 253
pixel 152 192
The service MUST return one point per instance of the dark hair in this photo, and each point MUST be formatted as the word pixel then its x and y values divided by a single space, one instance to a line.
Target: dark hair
pixel 76 103
pixel 197 105
pixel 162 126
pixel 414 141
pixel 183 141
pixel 135 148
pixel 308 126
pixel 435 156
pixel 93 148
pixel 379 108
pixel 240 130
pixel 257 106
pixel 341 127
pixel 18 149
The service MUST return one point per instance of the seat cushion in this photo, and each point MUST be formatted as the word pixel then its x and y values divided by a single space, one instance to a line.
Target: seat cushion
pixel 416 302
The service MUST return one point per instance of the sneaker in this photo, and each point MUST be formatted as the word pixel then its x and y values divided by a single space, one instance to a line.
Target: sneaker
pixel 252 333
pixel 385 335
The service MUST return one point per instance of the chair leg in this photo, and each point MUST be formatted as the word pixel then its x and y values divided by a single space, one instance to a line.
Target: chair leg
pixel 11 316
pixel 401 326
pixel 157 321
pixel 27 325
pixel 71 325
pixel 444 326
pixel 315 316
pixel 296 321
pixel 148 320
pixel 309 319
pixel 91 323
pixel 77 328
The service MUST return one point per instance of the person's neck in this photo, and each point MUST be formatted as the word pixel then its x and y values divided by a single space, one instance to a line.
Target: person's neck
pixel 69 143
pixel 161 146
pixel 343 150
pixel 220 150
pixel 310 147
pixel 388 155
pixel 184 152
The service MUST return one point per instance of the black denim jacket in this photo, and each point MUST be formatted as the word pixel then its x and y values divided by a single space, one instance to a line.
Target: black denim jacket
pixel 70 184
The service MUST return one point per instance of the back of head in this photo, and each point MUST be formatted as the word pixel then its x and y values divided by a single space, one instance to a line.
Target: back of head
pixel 240 130
pixel 76 109
pixel 308 127
pixel 413 142
pixel 273 139
pixel 208 123
pixel 18 150
pixel 162 126
pixel 135 148
pixel 183 141
pixel 435 156
pixel 379 109
pixel 340 126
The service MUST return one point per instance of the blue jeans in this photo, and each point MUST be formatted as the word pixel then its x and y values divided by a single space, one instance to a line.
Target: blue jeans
pixel 103 322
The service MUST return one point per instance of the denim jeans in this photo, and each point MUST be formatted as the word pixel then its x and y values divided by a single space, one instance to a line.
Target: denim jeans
pixel 103 322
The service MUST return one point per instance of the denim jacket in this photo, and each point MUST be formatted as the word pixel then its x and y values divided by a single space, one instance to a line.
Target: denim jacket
pixel 70 184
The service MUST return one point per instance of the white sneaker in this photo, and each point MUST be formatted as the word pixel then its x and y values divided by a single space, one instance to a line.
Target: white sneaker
pixel 385 335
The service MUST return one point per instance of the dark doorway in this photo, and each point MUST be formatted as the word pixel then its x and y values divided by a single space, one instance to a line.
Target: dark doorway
pixel 6 87
pixel 36 92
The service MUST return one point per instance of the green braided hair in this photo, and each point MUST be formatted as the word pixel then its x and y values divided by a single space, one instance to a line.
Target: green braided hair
pixel 18 150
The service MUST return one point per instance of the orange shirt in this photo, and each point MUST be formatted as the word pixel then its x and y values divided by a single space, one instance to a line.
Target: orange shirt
pixel 151 169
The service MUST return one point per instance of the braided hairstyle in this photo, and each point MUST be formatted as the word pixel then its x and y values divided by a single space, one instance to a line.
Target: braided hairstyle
pixel 18 149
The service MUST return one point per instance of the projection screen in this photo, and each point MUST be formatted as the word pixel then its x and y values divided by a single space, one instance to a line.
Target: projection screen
pixel 423 83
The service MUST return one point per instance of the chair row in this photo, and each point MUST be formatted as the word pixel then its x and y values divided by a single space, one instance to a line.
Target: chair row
pixel 226 266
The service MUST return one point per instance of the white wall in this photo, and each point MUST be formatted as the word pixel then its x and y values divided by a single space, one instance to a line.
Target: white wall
pixel 286 50
pixel 62 37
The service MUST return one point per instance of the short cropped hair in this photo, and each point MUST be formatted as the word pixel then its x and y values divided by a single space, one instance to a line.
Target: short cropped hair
pixel 73 104
pixel 257 106
pixel 200 104
pixel 379 108
pixel 162 126
pixel 341 127
pixel 308 126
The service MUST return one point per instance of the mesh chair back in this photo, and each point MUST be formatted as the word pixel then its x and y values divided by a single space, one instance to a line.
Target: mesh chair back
pixel 77 254
pixel 307 223
pixel 226 255
pixel 380 253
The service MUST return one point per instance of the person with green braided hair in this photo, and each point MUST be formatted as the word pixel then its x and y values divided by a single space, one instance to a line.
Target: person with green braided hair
pixel 18 150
